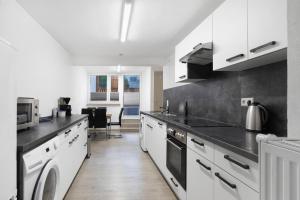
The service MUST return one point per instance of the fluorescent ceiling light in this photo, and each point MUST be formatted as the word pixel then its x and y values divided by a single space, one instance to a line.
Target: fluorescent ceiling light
pixel 127 8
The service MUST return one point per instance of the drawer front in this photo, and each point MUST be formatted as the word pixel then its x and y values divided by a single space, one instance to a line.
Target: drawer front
pixel 175 186
pixel 67 134
pixel 226 187
pixel 200 146
pixel 240 167
pixel 200 177
pixel 161 125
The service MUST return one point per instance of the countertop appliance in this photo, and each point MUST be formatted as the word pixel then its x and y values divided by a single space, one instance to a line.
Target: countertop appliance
pixel 176 154
pixel 41 172
pixel 257 116
pixel 27 112
pixel 142 134
pixel 63 105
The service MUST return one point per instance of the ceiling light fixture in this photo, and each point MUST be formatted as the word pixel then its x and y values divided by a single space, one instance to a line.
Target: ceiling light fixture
pixel 127 8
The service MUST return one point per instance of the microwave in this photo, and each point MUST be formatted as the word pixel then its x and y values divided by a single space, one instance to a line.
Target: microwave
pixel 27 113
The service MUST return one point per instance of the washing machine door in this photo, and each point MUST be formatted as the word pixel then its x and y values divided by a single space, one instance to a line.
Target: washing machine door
pixel 47 185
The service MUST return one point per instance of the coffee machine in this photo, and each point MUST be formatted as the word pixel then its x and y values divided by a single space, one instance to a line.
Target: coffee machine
pixel 63 104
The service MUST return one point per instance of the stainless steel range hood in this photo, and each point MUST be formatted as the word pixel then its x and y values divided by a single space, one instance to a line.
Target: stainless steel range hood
pixel 202 54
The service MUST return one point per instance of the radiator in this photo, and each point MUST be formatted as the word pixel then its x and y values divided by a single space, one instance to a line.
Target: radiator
pixel 280 169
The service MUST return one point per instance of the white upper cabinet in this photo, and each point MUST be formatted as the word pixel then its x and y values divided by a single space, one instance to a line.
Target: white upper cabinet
pixel 267 26
pixel 201 34
pixel 230 33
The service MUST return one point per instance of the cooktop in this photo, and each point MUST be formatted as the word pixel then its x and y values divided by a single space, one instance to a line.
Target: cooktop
pixel 200 122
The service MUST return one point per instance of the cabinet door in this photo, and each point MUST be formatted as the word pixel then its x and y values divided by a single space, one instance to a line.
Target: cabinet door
pixel 149 137
pixel 267 26
pixel 230 34
pixel 226 187
pixel 180 68
pixel 161 131
pixel 200 178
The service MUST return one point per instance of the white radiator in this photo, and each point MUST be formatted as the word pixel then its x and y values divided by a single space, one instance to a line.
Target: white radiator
pixel 280 169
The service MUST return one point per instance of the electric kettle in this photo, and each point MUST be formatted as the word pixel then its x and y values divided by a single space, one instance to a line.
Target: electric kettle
pixel 257 116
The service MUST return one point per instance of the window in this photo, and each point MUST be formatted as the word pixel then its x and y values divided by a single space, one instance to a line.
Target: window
pixel 98 88
pixel 114 92
pixel 131 96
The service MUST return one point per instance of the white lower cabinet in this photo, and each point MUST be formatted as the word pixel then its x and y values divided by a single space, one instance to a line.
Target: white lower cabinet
pixel 72 152
pixel 176 187
pixel 200 177
pixel 226 187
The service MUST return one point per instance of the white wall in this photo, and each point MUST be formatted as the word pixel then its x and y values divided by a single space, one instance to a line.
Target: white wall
pixel 293 68
pixel 169 73
pixel 43 67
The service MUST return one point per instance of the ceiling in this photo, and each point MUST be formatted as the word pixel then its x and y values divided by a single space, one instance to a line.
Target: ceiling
pixel 89 29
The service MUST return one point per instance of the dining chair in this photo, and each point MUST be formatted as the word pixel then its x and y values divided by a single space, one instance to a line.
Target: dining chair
pixel 101 120
pixel 119 123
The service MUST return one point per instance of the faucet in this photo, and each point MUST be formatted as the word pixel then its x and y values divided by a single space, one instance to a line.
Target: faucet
pixel 167 108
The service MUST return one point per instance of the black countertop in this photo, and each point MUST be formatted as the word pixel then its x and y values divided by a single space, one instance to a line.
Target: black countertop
pixel 235 139
pixel 35 136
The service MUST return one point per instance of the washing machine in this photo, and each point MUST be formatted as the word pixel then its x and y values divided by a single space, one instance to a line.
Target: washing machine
pixel 41 173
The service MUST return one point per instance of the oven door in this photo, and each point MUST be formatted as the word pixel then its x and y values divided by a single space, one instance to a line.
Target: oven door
pixel 176 160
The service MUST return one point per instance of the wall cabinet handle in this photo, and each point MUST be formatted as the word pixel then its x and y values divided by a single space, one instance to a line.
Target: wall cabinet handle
pixel 196 142
pixel 272 43
pixel 235 57
pixel 183 76
pixel 233 186
pixel 176 185
pixel 149 126
pixel 203 165
pixel 245 166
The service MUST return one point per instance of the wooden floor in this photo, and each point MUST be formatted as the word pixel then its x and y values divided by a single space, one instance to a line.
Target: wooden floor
pixel 119 170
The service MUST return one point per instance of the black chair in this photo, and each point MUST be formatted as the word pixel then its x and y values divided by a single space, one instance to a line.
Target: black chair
pixel 100 119
pixel 119 123
pixel 90 112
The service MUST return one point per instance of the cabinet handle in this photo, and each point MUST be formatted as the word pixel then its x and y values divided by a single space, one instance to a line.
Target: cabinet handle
pixel 149 126
pixel 203 165
pixel 272 43
pixel 199 143
pixel 183 76
pixel 85 128
pixel 235 57
pixel 67 132
pixel 79 124
pixel 233 186
pixel 86 120
pixel 85 144
pixel 160 124
pixel 176 185
pixel 245 166
pixel 71 142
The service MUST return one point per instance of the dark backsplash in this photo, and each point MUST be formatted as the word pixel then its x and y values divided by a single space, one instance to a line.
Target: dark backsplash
pixel 219 97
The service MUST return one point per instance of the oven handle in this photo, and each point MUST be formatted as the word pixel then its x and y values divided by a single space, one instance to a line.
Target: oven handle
pixel 175 145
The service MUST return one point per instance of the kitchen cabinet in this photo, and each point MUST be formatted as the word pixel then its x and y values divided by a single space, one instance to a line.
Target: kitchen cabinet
pixel 230 34
pixel 244 30
pixel 72 152
pixel 8 143
pixel 267 26
pixel 156 133
pixel 201 34
pixel 200 177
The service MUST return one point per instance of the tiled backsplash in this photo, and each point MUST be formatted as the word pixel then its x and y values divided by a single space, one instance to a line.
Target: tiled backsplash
pixel 219 97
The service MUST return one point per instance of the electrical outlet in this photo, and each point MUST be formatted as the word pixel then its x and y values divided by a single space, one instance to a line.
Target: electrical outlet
pixel 246 101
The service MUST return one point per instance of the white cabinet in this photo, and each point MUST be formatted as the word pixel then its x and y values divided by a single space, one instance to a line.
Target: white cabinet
pixel 201 34
pixel 161 145
pixel 200 177
pixel 267 26
pixel 72 152
pixel 247 29
pixel 8 130
pixel 230 33
pixel 226 187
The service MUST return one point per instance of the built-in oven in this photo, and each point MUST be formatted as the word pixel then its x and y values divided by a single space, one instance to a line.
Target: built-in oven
pixel 27 112
pixel 176 154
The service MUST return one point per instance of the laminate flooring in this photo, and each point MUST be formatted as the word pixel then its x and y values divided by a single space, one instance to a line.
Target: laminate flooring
pixel 119 170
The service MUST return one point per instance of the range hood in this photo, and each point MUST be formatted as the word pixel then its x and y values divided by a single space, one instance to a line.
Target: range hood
pixel 202 54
